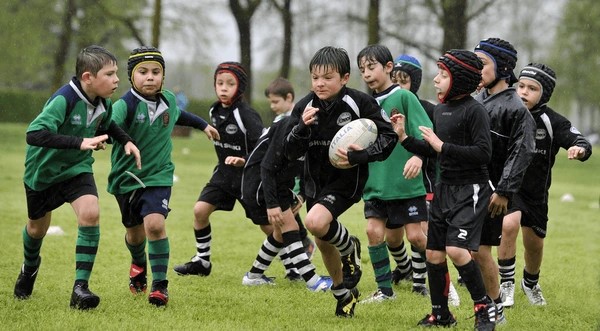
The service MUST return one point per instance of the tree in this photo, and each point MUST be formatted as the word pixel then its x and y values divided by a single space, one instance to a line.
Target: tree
pixel 373 22
pixel 576 55
pixel 284 10
pixel 64 41
pixel 156 20
pixel 243 18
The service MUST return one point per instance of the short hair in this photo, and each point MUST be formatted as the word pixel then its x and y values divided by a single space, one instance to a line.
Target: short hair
pixel 280 87
pixel 93 58
pixel 379 53
pixel 330 57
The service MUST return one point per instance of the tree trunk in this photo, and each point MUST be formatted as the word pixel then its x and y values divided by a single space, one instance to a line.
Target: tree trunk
pixel 243 17
pixel 156 23
pixel 61 55
pixel 454 23
pixel 288 25
pixel 373 22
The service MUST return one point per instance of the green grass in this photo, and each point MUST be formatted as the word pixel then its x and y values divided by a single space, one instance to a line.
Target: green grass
pixel 570 272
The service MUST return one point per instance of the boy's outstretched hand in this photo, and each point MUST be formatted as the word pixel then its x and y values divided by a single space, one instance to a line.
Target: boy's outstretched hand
pixel 211 133
pixel 131 148
pixel 94 143
pixel 398 125
pixel 430 137
pixel 575 152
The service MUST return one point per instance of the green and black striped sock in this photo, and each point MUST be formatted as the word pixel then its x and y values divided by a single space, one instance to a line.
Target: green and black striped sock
pixel 158 255
pixel 31 251
pixel 86 248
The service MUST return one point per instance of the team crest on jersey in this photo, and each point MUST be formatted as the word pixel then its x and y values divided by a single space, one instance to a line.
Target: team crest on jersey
pixel 540 134
pixel 166 118
pixel 574 130
pixel 231 129
pixel 140 118
pixel 344 118
pixel 76 119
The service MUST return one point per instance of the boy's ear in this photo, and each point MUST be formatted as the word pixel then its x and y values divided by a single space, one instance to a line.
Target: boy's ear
pixel 86 77
pixel 345 78
pixel 388 67
pixel 289 97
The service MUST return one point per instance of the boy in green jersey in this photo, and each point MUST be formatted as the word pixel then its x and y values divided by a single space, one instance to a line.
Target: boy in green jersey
pixel 148 113
pixel 393 200
pixel 58 167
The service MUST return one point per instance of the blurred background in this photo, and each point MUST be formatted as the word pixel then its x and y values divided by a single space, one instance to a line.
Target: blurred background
pixel 272 38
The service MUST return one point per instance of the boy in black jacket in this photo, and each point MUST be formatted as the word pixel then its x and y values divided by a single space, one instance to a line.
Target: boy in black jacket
pixel 329 190
pixel 530 205
pixel 512 129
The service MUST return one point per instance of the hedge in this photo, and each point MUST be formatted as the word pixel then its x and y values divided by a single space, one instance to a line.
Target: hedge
pixel 23 106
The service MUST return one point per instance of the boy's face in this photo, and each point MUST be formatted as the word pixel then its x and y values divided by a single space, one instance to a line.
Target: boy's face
pixel 225 87
pixel 402 79
pixel 441 82
pixel 530 92
pixel 279 104
pixel 148 78
pixel 103 84
pixel 326 82
pixel 375 74
pixel 488 73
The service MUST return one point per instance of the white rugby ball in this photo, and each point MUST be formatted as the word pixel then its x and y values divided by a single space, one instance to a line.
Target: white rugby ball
pixel 362 132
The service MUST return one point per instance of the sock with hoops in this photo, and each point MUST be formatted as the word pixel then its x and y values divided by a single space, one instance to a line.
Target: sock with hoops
pixel 203 239
pixel 507 269
pixel 268 251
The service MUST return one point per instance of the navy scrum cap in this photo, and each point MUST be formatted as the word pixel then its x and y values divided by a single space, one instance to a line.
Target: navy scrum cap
pixel 412 67
pixel 144 54
pixel 544 76
pixel 504 56
pixel 465 71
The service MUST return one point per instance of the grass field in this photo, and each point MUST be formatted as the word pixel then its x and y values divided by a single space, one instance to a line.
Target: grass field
pixel 570 272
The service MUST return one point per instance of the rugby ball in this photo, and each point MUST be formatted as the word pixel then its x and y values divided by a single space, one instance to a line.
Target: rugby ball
pixel 362 132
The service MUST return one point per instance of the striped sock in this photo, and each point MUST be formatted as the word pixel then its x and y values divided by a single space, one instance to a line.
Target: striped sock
pixel 338 236
pixel 31 251
pixel 86 248
pixel 138 252
pixel 507 269
pixel 298 257
pixel 203 239
pixel 400 255
pixel 381 265
pixel 418 266
pixel 158 255
pixel 268 251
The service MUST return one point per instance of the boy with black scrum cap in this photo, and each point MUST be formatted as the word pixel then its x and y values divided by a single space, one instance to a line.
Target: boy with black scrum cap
pixel 529 208
pixel 329 190
pixel 239 128
pixel 149 114
pixel 463 146
pixel 58 167
pixel 512 129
